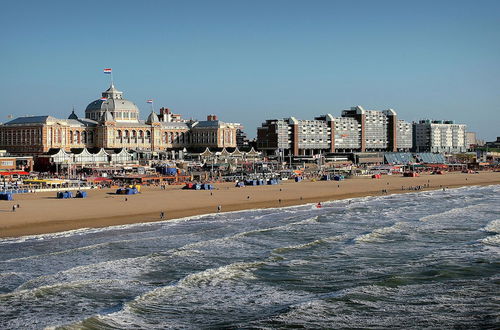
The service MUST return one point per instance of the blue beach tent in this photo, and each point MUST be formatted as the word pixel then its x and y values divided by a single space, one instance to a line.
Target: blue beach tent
pixel 6 197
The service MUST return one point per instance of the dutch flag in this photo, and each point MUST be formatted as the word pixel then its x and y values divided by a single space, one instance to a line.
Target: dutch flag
pixel 103 99
pixel 149 101
pixel 107 71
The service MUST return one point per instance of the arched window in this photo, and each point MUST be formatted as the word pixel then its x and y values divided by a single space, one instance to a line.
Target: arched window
pixel 170 137
pixel 91 137
pixel 84 137
pixel 176 139
pixel 134 136
pixel 148 135
pixel 164 137
pixel 77 137
pixel 71 136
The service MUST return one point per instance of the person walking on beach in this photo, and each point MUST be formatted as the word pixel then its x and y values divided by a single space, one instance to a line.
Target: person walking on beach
pixel 219 208
pixel 14 208
pixel 162 215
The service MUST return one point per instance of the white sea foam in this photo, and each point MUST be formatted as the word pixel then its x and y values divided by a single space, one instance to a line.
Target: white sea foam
pixel 493 227
pixel 307 245
pixel 457 211
pixel 378 234
pixel 492 240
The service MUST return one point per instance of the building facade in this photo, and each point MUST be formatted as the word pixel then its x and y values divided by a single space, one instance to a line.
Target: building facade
pixel 112 122
pixel 356 130
pixel 439 136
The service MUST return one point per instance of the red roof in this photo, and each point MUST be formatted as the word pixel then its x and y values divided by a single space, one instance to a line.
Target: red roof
pixel 14 172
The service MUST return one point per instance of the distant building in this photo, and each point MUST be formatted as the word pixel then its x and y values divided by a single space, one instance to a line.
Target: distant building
pixel 381 130
pixel 291 136
pixel 242 141
pixel 10 162
pixel 470 140
pixel 439 136
pixel 112 122
pixel 357 130
pixel 493 144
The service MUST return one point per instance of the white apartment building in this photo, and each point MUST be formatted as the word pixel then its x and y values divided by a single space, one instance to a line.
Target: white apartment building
pixel 439 136
pixel 404 135
pixel 347 134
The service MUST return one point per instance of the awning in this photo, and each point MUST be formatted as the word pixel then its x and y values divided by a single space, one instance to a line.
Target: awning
pixel 14 172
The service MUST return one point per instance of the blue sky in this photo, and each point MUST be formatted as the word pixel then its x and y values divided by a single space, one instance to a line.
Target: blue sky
pixel 248 61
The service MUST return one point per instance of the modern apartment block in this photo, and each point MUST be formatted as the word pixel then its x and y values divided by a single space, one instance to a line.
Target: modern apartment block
pixel 439 136
pixel 356 130
pixel 293 136
pixel 404 135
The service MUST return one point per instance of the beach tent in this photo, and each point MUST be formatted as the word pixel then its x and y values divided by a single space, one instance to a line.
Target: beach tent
pixel 81 194
pixel 6 196
pixel 64 195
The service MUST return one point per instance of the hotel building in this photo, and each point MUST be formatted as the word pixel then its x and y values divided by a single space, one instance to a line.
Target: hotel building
pixel 112 122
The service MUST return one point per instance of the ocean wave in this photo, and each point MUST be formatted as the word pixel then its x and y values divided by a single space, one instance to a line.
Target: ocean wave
pixel 307 245
pixel 493 227
pixel 152 301
pixel 378 234
pixel 492 240
pixel 236 236
pixel 117 269
pixel 457 211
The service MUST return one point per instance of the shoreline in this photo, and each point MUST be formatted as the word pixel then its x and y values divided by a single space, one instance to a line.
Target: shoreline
pixel 43 214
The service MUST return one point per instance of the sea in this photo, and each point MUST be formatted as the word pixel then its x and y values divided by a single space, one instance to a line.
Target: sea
pixel 417 260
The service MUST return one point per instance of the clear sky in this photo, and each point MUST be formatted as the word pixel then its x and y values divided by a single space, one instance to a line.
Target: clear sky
pixel 248 61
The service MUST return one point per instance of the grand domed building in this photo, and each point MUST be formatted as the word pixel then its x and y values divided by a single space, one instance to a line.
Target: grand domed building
pixel 113 122
pixel 112 100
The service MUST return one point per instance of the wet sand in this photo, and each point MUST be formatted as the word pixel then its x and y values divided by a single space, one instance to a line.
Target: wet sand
pixel 42 213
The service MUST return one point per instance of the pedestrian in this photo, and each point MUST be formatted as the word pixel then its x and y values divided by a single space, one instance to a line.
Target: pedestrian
pixel 211 194
pixel 219 208
pixel 248 197
pixel 162 215
pixel 279 201
pixel 18 206
pixel 14 208
pixel 126 199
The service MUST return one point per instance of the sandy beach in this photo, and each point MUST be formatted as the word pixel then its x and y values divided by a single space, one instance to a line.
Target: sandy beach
pixel 42 213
